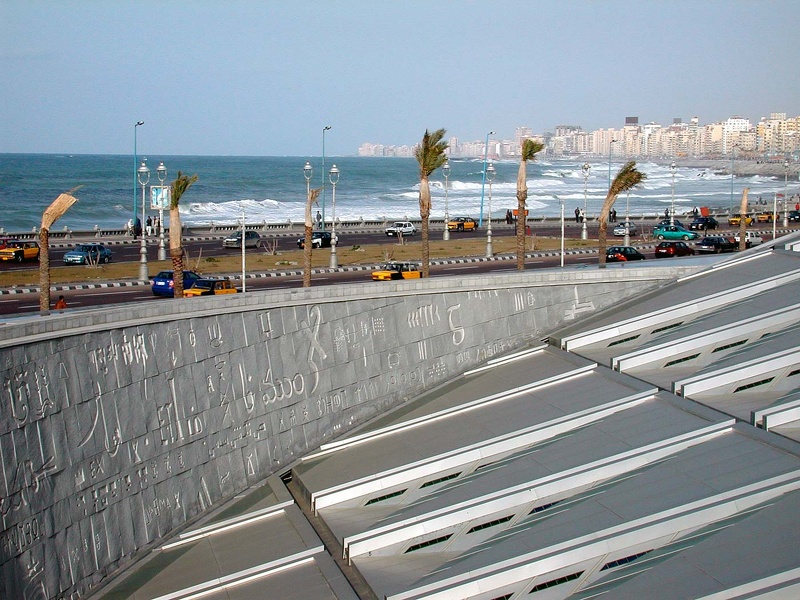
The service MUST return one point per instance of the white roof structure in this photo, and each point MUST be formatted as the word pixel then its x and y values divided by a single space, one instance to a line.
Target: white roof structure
pixel 650 451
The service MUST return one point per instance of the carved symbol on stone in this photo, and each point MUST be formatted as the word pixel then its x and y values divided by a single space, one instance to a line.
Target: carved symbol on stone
pixel 457 330
pixel 312 327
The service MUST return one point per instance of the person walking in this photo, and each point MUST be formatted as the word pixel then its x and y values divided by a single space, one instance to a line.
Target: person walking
pixel 577 214
pixel 61 304
pixel 149 225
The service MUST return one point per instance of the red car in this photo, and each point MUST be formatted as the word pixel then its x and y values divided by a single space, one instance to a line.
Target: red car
pixel 670 249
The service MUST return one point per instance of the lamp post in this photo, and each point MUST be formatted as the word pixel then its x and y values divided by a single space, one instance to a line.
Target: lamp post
pixel 562 228
pixel 135 166
pixel 161 171
pixel 446 173
pixel 324 129
pixel 333 175
pixel 489 174
pixel 733 155
pixel 774 213
pixel 627 240
pixel 143 175
pixel 483 182
pixel 673 169
pixel 610 147
pixel 785 194
pixel 244 260
pixel 586 168
pixel 307 172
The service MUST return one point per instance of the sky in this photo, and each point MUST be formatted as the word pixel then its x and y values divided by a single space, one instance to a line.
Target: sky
pixel 264 77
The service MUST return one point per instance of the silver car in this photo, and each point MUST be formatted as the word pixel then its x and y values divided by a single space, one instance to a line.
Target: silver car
pixel 251 240
pixel 620 229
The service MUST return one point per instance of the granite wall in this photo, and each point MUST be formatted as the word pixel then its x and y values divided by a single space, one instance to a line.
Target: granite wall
pixel 118 425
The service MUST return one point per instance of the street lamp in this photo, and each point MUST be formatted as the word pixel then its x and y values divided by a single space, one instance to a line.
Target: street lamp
pixel 785 195
pixel 161 171
pixel 562 227
pixel 733 155
pixel 610 147
pixel 334 177
pixel 143 175
pixel 586 168
pixel 627 240
pixel 135 165
pixel 673 169
pixel 483 183
pixel 489 174
pixel 446 173
pixel 307 172
pixel 324 129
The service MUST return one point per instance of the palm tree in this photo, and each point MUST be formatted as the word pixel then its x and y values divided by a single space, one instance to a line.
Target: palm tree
pixel 430 156
pixel 53 212
pixel 179 186
pixel 530 148
pixel 308 246
pixel 629 176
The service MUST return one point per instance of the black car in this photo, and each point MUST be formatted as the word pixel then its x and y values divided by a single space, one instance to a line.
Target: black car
pixel 716 244
pixel 794 215
pixel 319 239
pixel 665 222
pixel 703 223
pixel 623 254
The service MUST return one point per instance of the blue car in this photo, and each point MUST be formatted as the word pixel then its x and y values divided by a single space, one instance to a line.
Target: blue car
pixel 85 254
pixel 674 232
pixel 164 285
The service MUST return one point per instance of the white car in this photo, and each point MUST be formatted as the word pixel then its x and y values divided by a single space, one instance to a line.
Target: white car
pixel 750 239
pixel 401 228
pixel 620 229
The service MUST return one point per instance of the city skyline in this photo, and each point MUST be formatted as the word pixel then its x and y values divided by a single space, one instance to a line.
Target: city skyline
pixel 265 78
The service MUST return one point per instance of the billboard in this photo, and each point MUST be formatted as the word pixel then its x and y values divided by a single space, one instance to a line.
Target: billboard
pixel 159 197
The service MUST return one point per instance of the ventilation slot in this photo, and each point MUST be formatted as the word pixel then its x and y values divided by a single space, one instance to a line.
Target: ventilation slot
pixel 681 360
pixel 386 497
pixel 623 340
pixel 491 524
pixel 793 373
pixel 726 346
pixel 543 507
pixel 432 542
pixel 747 386
pixel 440 480
pixel 624 561
pixel 555 582
pixel 666 327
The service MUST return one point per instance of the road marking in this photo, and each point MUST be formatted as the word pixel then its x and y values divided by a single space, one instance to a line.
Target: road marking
pixel 472 267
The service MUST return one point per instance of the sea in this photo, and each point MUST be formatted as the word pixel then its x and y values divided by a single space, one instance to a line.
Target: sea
pixel 273 189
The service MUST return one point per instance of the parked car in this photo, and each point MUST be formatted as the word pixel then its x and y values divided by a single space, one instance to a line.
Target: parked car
pixel 163 284
pixel 397 270
pixel 210 287
pixel 623 253
pixel 251 240
pixel 716 244
pixel 4 241
pixel 621 228
pixel 794 216
pixel 751 239
pixel 18 251
pixel 674 232
pixel 703 224
pixel 401 228
pixel 319 239
pixel 736 220
pixel 84 254
pixel 462 224
pixel 670 249
pixel 765 217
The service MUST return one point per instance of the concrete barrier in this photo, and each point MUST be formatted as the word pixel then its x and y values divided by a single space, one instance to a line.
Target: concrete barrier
pixel 118 427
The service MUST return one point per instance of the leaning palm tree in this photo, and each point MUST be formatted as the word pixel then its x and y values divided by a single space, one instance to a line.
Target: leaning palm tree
pixel 430 156
pixel 53 212
pixel 628 177
pixel 308 246
pixel 179 186
pixel 530 148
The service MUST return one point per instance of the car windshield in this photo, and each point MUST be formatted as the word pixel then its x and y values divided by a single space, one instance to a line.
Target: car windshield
pixel 203 283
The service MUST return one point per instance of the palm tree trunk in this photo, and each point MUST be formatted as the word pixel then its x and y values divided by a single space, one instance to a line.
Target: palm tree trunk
pixel 743 220
pixel 307 254
pixel 602 233
pixel 176 251
pixel 424 213
pixel 522 199
pixel 44 271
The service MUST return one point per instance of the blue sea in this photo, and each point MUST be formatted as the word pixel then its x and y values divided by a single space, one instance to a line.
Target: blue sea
pixel 273 189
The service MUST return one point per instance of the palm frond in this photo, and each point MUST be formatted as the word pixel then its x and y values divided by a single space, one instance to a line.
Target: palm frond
pixel 530 148
pixel 179 186
pixel 430 154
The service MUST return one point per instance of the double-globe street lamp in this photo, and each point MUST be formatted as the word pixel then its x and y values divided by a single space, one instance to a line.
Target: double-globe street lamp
pixel 161 171
pixel 585 168
pixel 489 174
pixel 446 173
pixel 143 175
pixel 308 171
pixel 483 182
pixel 135 167
pixel 785 194
pixel 324 129
pixel 333 175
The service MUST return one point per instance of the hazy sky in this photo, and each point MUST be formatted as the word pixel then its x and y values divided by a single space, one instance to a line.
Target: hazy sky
pixel 263 77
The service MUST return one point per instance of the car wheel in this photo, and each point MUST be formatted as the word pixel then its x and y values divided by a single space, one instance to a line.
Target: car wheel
pixel 18 258
pixel 461 228
pixel 106 259
pixel 661 237
pixel 686 238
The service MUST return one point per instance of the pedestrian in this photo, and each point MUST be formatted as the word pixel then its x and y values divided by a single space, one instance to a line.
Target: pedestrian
pixel 577 215
pixel 149 225
pixel 129 226
pixel 613 215
pixel 582 215
pixel 61 304
pixel 319 220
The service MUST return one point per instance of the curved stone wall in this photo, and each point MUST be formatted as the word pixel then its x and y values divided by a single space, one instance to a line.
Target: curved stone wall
pixel 119 425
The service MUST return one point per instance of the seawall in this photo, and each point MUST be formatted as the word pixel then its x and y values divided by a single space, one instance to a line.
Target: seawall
pixel 120 426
